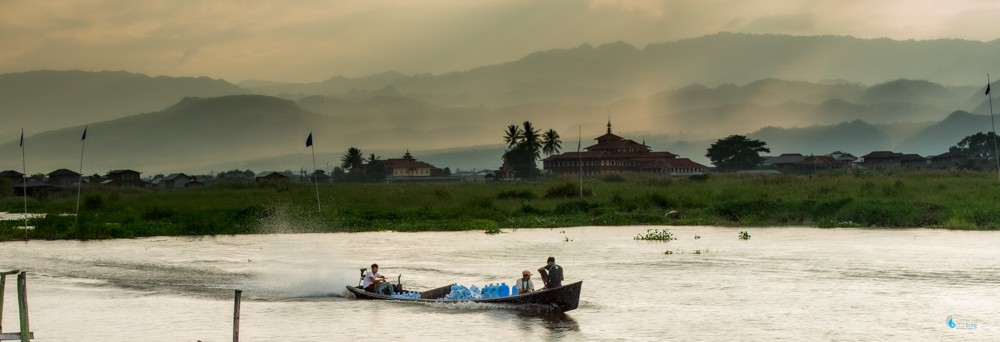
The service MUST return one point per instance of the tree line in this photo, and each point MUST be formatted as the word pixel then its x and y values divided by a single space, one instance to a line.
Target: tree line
pixel 525 145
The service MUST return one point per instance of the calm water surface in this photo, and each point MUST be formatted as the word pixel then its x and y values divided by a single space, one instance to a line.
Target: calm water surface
pixel 782 284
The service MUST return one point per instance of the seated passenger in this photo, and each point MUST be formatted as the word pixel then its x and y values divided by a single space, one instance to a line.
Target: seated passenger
pixel 524 285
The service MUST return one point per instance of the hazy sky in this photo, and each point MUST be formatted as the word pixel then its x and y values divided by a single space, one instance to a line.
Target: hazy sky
pixel 304 40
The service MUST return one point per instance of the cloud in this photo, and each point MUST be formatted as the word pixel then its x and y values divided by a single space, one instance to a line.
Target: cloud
pixel 653 8
pixel 793 23
pixel 312 40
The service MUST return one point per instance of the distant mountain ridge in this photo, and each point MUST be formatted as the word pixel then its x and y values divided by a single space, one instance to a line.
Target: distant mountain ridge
pixel 45 100
pixel 611 72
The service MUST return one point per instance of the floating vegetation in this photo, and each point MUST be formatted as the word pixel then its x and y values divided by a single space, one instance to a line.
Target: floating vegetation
pixel 681 251
pixel 492 230
pixel 656 235
pixel 696 237
pixel 744 235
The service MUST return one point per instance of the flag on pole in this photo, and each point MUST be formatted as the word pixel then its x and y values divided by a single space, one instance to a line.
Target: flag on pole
pixel 84 133
pixel 987 89
pixel 21 144
pixel 309 140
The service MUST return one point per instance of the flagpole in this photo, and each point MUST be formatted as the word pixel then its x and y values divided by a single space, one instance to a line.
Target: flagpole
pixel 992 123
pixel 79 183
pixel 580 155
pixel 24 185
pixel 319 207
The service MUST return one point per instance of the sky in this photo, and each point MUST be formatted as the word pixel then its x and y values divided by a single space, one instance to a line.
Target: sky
pixel 313 40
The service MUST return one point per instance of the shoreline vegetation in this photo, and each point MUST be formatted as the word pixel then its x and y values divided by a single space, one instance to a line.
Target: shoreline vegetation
pixel 902 199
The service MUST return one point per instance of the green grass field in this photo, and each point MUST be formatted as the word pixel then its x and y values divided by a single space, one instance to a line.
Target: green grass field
pixel 946 199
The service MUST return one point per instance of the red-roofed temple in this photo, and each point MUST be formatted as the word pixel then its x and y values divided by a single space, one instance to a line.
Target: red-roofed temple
pixel 614 154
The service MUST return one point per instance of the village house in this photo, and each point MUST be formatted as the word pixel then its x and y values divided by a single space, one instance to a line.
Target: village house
pixel 63 177
pixel 881 160
pixel 887 160
pixel 320 176
pixel 819 164
pixel 614 154
pixel 123 178
pixel 950 160
pixel 845 159
pixel 270 176
pixel 32 188
pixel 798 163
pixel 12 176
pixel 172 181
pixel 407 166
pixel 786 161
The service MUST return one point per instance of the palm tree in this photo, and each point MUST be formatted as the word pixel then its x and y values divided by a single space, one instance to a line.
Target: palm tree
pixel 531 139
pixel 375 171
pixel 512 136
pixel 353 158
pixel 551 143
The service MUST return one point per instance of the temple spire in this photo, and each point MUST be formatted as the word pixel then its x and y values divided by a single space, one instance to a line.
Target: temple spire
pixel 609 122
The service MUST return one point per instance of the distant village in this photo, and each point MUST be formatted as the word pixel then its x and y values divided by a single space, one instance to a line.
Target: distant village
pixel 610 155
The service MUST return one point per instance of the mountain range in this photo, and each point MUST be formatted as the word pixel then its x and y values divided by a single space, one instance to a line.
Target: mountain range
pixel 810 95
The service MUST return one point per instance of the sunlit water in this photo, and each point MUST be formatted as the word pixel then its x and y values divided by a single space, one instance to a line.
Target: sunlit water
pixel 782 284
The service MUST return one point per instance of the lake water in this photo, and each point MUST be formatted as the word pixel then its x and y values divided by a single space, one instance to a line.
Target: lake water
pixel 782 284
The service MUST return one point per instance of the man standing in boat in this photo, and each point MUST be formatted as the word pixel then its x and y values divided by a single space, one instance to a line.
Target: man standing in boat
pixel 372 279
pixel 552 274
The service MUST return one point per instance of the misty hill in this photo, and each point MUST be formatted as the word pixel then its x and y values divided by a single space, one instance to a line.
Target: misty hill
pixel 44 100
pixel 615 71
pixel 859 137
pixel 203 134
pixel 731 109
pixel 195 131
pixel 948 132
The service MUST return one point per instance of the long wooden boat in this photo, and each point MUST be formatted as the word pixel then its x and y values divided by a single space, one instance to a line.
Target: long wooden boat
pixel 563 298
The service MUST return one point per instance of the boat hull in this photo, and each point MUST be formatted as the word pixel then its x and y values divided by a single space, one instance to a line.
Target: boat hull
pixel 563 298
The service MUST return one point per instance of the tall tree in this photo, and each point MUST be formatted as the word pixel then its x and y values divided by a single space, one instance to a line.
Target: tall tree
pixel 532 139
pixel 525 145
pixel 353 158
pixel 512 136
pixel 737 152
pixel 979 145
pixel 522 160
pixel 551 143
pixel 375 170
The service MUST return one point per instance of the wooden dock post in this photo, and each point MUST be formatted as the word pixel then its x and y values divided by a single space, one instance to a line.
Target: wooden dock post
pixel 236 317
pixel 3 281
pixel 25 334
pixel 22 305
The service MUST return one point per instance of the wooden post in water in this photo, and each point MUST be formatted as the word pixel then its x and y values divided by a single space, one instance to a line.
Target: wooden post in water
pixel 22 300
pixel 236 317
pixel 3 281
pixel 22 305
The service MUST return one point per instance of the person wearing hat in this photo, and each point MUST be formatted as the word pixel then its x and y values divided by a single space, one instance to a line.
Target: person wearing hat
pixel 552 274
pixel 524 285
